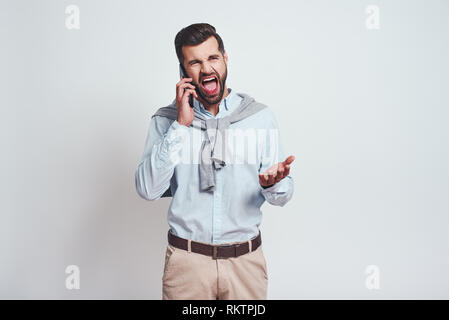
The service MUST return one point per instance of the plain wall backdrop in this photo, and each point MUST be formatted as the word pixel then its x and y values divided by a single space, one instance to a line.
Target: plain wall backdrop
pixel 365 112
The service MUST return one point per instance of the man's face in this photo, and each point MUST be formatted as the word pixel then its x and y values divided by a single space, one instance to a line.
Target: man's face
pixel 204 62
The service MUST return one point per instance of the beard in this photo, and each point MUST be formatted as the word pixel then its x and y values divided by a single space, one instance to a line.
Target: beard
pixel 212 100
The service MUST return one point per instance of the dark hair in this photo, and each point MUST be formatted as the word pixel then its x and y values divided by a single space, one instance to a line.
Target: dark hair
pixel 195 34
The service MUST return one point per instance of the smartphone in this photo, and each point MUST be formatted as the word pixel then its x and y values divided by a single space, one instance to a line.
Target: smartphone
pixel 183 73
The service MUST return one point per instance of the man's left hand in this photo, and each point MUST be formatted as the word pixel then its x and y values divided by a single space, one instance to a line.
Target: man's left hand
pixel 276 172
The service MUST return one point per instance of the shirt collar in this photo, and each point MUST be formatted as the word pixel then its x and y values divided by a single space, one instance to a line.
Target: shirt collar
pixel 227 103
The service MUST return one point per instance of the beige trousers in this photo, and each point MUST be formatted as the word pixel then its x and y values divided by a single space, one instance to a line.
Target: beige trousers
pixel 194 276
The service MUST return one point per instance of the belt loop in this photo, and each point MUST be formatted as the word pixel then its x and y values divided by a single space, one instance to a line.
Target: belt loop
pixel 189 245
pixel 250 245
pixel 214 255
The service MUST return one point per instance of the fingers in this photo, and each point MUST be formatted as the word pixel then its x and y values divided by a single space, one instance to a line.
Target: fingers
pixel 184 80
pixel 289 159
pixel 280 174
pixel 268 178
pixel 188 92
pixel 182 83
pixel 181 87
pixel 276 172
pixel 286 170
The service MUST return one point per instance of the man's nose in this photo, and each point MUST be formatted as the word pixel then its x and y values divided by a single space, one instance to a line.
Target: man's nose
pixel 206 68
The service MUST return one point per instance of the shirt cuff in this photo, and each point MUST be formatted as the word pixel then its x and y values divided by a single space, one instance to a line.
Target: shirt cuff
pixel 278 187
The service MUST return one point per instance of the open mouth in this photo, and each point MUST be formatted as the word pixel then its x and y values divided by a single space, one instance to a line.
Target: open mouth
pixel 210 85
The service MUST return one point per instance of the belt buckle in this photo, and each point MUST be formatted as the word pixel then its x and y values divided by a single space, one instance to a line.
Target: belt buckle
pixel 214 256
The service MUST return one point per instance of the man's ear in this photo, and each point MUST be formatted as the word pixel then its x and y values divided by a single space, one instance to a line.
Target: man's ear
pixel 225 56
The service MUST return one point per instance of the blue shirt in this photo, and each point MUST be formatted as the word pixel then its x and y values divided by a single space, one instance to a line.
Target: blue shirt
pixel 232 212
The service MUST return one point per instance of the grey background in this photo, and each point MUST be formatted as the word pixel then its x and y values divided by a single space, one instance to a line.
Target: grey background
pixel 365 112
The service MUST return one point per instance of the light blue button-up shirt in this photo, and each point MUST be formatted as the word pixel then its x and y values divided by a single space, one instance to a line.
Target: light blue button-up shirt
pixel 230 213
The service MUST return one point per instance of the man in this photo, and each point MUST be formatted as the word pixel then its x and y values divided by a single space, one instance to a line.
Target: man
pixel 214 243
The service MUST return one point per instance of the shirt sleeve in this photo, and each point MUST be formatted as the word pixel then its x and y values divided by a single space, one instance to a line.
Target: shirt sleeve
pixel 161 154
pixel 272 152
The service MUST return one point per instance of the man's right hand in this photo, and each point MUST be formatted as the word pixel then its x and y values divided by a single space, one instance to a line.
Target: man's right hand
pixel 183 90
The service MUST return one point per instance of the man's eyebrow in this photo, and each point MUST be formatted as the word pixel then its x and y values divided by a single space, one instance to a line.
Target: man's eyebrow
pixel 211 56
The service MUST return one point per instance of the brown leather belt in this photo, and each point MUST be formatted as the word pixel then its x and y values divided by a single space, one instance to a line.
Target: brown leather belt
pixel 215 251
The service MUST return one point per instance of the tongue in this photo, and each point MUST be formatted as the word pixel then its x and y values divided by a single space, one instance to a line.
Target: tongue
pixel 210 85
